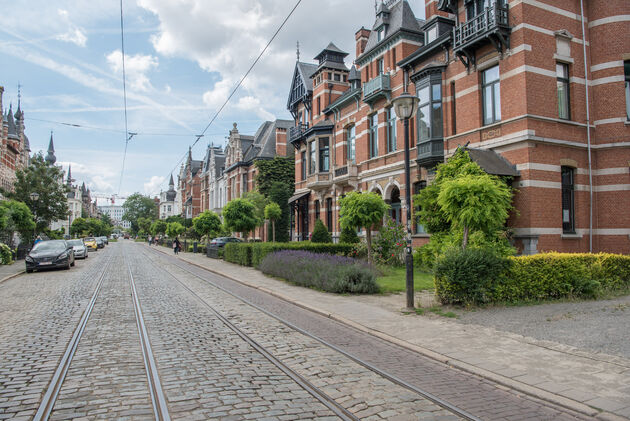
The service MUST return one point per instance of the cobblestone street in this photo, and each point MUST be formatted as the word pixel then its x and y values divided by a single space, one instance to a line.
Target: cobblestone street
pixel 220 350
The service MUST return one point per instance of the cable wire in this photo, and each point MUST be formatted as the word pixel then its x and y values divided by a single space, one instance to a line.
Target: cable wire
pixel 127 138
pixel 238 85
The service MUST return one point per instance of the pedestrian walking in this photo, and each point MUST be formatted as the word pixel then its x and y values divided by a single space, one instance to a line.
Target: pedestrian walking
pixel 149 240
pixel 176 246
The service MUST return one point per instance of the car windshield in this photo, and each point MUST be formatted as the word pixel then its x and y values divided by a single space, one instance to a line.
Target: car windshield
pixel 89 239
pixel 75 242
pixel 55 245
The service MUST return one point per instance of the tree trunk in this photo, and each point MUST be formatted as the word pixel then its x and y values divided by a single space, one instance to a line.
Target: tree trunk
pixel 465 240
pixel 273 230
pixel 368 238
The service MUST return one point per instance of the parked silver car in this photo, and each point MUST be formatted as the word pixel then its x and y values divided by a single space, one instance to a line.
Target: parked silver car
pixel 79 247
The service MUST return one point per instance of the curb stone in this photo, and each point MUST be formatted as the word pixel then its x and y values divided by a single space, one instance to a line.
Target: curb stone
pixel 486 374
pixel 6 278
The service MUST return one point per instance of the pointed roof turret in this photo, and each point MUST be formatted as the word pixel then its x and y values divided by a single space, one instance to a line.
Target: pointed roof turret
pixel 354 74
pixel 171 184
pixel 69 180
pixel 331 57
pixel 51 158
pixel 12 134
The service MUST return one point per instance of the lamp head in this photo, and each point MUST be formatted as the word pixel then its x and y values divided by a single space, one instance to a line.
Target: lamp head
pixel 405 106
pixel 34 196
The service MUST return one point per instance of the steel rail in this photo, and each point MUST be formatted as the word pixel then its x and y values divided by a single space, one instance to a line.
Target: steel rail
pixel 316 392
pixel 429 396
pixel 160 408
pixel 50 397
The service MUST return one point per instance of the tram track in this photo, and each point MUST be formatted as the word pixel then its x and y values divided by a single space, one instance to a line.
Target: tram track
pixel 394 379
pixel 160 408
pixel 50 396
pixel 338 409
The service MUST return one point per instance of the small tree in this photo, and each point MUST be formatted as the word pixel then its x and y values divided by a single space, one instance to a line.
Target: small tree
pixel 475 202
pixel 207 224
pixel 362 210
pixel 349 235
pixel 144 225
pixel 173 229
pixel 139 206
pixel 273 212
pixel 158 227
pixel 16 217
pixel 240 216
pixel 320 233
pixel 80 227
pixel 280 193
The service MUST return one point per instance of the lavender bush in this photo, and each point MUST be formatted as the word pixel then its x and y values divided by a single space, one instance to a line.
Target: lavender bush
pixel 326 272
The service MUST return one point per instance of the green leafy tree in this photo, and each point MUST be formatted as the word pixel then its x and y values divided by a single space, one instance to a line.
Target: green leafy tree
pixel 427 211
pixel 80 228
pixel 158 227
pixel 273 212
pixel 144 225
pixel 174 229
pixel 475 202
pixel 320 233
pixel 107 220
pixel 362 210
pixel 207 224
pixel 139 206
pixel 16 217
pixel 259 201
pixel 240 216
pixel 280 193
pixel 175 218
pixel 44 180
pixel 84 227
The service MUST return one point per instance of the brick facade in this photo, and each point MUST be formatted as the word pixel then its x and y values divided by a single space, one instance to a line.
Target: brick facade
pixel 490 79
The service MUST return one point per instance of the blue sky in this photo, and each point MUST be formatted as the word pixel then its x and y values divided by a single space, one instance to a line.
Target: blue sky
pixel 182 59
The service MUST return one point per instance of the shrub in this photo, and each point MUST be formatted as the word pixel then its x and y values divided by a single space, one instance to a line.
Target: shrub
pixel 390 243
pixel 348 236
pixel 260 250
pixel 468 276
pixel 322 271
pixel 530 278
pixel 239 253
pixel 320 233
pixel 6 257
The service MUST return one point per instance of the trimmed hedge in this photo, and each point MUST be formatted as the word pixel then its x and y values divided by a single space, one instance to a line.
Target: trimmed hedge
pixel 252 254
pixel 201 248
pixel 539 277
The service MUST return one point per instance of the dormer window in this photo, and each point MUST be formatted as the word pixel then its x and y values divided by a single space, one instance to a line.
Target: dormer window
pixel 431 34
pixel 380 34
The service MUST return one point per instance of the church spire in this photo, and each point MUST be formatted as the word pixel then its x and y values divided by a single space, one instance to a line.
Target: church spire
pixel 51 158
pixel 69 180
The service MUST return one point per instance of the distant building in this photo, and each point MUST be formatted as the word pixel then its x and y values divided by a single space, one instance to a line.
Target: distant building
pixel 115 213
pixel 190 187
pixel 168 203
pixel 14 145
pixel 213 192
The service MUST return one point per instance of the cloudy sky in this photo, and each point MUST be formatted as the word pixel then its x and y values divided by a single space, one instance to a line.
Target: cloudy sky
pixel 182 59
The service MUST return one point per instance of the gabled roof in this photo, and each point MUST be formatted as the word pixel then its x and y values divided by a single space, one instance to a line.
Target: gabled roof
pixel 12 128
pixel 400 17
pixel 301 75
pixel 492 163
pixel 264 145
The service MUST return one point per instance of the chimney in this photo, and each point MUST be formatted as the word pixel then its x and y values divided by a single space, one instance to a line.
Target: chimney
pixel 361 37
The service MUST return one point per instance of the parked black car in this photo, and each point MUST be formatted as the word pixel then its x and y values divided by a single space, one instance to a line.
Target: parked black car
pixel 99 242
pixel 221 241
pixel 50 254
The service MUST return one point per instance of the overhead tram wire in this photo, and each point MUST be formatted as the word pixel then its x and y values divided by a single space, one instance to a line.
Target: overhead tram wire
pixel 238 85
pixel 127 137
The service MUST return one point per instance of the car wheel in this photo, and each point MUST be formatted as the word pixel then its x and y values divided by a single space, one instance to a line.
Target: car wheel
pixel 72 263
pixel 67 266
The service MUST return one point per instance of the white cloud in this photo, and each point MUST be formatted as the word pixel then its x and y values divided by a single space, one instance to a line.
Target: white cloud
pixel 73 33
pixel 153 184
pixel 136 68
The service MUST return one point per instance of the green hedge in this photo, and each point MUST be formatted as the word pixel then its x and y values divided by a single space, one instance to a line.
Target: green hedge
pixel 252 254
pixel 201 248
pixel 539 277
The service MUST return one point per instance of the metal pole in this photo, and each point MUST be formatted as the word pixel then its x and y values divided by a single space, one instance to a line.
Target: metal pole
pixel 408 255
pixel 588 137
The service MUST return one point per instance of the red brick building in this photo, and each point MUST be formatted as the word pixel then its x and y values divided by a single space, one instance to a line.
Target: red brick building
pixel 190 177
pixel 506 79
pixel 14 145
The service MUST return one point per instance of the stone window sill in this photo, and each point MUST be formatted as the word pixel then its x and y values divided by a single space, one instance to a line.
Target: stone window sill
pixel 571 236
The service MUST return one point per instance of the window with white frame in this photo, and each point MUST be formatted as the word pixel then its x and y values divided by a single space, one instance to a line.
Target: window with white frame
pixel 324 155
pixel 562 75
pixel 313 157
pixel 430 108
pixel 568 199
pixel 373 129
pixel 391 130
pixel 491 93
pixel 351 134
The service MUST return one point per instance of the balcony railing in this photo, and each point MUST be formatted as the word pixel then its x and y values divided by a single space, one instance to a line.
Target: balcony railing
pixel 297 132
pixel 430 152
pixel 379 85
pixel 493 19
pixel 347 174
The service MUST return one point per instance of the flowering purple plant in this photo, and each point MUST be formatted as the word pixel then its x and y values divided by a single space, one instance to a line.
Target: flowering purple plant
pixel 326 272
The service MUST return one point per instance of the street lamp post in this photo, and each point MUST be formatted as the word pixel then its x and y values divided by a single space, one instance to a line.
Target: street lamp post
pixel 34 197
pixel 405 106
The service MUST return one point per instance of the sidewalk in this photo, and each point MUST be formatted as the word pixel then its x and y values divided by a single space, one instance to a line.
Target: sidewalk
pixel 592 383
pixel 10 271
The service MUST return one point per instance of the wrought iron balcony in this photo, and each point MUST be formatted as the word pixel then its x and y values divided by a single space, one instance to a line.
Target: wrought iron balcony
pixel 492 25
pixel 297 133
pixel 379 86
pixel 430 153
